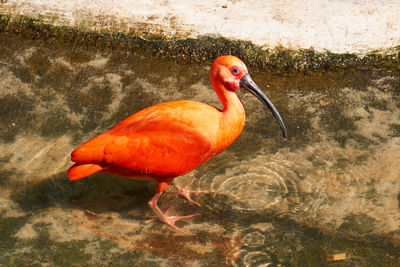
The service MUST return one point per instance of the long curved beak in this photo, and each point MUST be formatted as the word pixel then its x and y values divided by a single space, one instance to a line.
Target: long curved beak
pixel 247 83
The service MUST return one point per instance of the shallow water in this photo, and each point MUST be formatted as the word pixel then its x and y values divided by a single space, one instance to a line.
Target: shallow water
pixel 332 187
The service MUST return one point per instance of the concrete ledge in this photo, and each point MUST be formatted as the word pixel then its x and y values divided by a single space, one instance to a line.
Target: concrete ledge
pixel 276 34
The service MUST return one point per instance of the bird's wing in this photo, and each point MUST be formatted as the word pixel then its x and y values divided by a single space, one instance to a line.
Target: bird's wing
pixel 155 141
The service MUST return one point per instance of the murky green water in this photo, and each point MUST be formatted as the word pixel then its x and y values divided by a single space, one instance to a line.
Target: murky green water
pixel 332 187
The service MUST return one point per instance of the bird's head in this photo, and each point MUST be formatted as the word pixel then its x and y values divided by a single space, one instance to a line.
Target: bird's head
pixel 229 70
pixel 232 73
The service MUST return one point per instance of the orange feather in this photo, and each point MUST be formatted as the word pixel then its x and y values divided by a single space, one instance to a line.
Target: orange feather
pixel 167 139
pixel 80 170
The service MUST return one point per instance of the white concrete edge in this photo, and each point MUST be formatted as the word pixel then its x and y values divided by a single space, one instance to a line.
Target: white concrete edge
pixel 337 26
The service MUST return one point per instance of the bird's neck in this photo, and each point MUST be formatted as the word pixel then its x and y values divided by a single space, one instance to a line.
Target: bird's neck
pixel 232 116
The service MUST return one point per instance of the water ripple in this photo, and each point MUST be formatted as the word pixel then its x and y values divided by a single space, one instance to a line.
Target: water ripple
pixel 258 184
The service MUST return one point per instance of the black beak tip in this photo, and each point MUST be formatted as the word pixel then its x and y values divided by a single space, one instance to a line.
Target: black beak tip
pixel 285 134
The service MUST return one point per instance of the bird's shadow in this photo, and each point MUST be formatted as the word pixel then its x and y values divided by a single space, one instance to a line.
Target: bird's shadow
pixel 98 194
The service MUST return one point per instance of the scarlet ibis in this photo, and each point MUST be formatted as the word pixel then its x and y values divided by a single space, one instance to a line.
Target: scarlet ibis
pixel 170 139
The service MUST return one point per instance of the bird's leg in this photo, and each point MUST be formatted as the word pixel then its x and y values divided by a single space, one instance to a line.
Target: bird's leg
pixel 185 192
pixel 163 217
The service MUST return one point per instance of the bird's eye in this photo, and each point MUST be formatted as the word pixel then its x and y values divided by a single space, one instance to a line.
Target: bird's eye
pixel 235 71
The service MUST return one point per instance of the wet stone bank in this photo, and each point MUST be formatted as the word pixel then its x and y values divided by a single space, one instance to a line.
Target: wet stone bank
pixel 332 187
pixel 201 49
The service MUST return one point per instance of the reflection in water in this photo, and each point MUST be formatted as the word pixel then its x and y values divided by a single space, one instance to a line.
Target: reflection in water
pixel 332 187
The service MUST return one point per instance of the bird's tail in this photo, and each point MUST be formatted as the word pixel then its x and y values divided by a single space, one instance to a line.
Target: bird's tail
pixel 80 170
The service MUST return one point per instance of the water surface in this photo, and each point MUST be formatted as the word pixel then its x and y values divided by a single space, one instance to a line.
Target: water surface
pixel 332 187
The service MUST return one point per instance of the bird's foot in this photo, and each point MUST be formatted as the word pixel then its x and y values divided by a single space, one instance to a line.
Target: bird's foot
pixel 170 220
pixel 186 192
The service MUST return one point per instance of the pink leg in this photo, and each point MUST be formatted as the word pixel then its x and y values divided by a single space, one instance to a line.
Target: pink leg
pixel 170 220
pixel 185 192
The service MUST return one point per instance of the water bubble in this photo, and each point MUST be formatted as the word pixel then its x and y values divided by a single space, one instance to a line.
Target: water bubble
pixel 254 239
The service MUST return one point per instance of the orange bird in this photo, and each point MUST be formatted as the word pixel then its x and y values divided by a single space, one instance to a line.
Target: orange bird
pixel 170 139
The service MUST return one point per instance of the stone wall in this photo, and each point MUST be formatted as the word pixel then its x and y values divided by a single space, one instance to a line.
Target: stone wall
pixel 337 26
